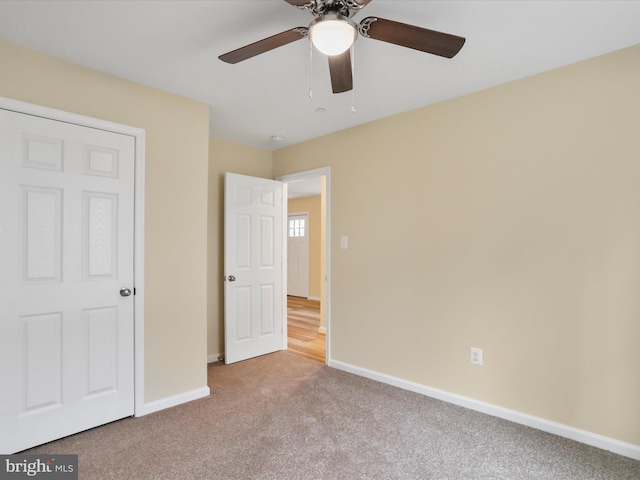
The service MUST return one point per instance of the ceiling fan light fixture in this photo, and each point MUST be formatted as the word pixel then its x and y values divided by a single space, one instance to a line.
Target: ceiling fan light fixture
pixel 332 34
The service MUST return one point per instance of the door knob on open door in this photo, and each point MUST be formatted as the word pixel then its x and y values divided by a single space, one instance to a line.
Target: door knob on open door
pixel 231 278
pixel 125 292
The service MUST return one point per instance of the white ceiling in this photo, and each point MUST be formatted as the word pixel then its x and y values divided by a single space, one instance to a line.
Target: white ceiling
pixel 174 45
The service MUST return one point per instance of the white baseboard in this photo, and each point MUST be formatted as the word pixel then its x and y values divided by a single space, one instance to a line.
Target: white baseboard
pixel 214 358
pixel 595 440
pixel 322 330
pixel 174 400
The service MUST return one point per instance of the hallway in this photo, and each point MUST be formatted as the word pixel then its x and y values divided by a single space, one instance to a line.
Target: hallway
pixel 303 324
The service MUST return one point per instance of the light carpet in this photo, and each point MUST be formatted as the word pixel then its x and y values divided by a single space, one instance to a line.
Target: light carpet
pixel 282 416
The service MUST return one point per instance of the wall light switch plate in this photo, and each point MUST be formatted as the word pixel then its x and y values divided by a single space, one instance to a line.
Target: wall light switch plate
pixel 476 356
pixel 344 242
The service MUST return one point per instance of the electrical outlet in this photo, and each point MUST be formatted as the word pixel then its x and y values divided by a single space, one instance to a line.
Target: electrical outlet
pixel 476 356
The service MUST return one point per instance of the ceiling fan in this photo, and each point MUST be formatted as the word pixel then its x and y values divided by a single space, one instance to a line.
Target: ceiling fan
pixel 333 32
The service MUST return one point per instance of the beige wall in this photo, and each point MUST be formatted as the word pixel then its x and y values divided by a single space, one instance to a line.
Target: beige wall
pixel 234 158
pixel 175 197
pixel 507 220
pixel 312 206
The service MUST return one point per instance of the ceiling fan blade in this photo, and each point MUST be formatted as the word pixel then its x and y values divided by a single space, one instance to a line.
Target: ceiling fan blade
pixel 410 36
pixel 264 45
pixel 340 70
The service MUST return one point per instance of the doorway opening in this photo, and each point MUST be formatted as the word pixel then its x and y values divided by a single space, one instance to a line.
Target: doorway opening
pixel 303 328
pixel 308 316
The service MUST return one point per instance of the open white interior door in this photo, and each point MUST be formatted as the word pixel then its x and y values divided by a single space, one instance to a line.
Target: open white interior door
pixel 253 263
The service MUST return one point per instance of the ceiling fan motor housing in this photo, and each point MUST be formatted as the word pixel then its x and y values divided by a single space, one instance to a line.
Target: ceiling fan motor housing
pixel 346 8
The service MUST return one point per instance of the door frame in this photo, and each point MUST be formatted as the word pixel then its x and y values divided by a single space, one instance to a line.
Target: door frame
pixel 326 173
pixel 138 249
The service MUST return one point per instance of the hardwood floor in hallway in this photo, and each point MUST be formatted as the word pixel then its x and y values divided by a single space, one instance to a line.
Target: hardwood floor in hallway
pixel 303 324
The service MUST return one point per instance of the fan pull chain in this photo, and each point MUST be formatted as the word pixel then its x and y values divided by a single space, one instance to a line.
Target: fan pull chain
pixel 310 70
pixel 353 79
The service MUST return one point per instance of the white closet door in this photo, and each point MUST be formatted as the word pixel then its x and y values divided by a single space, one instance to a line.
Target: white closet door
pixel 66 250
